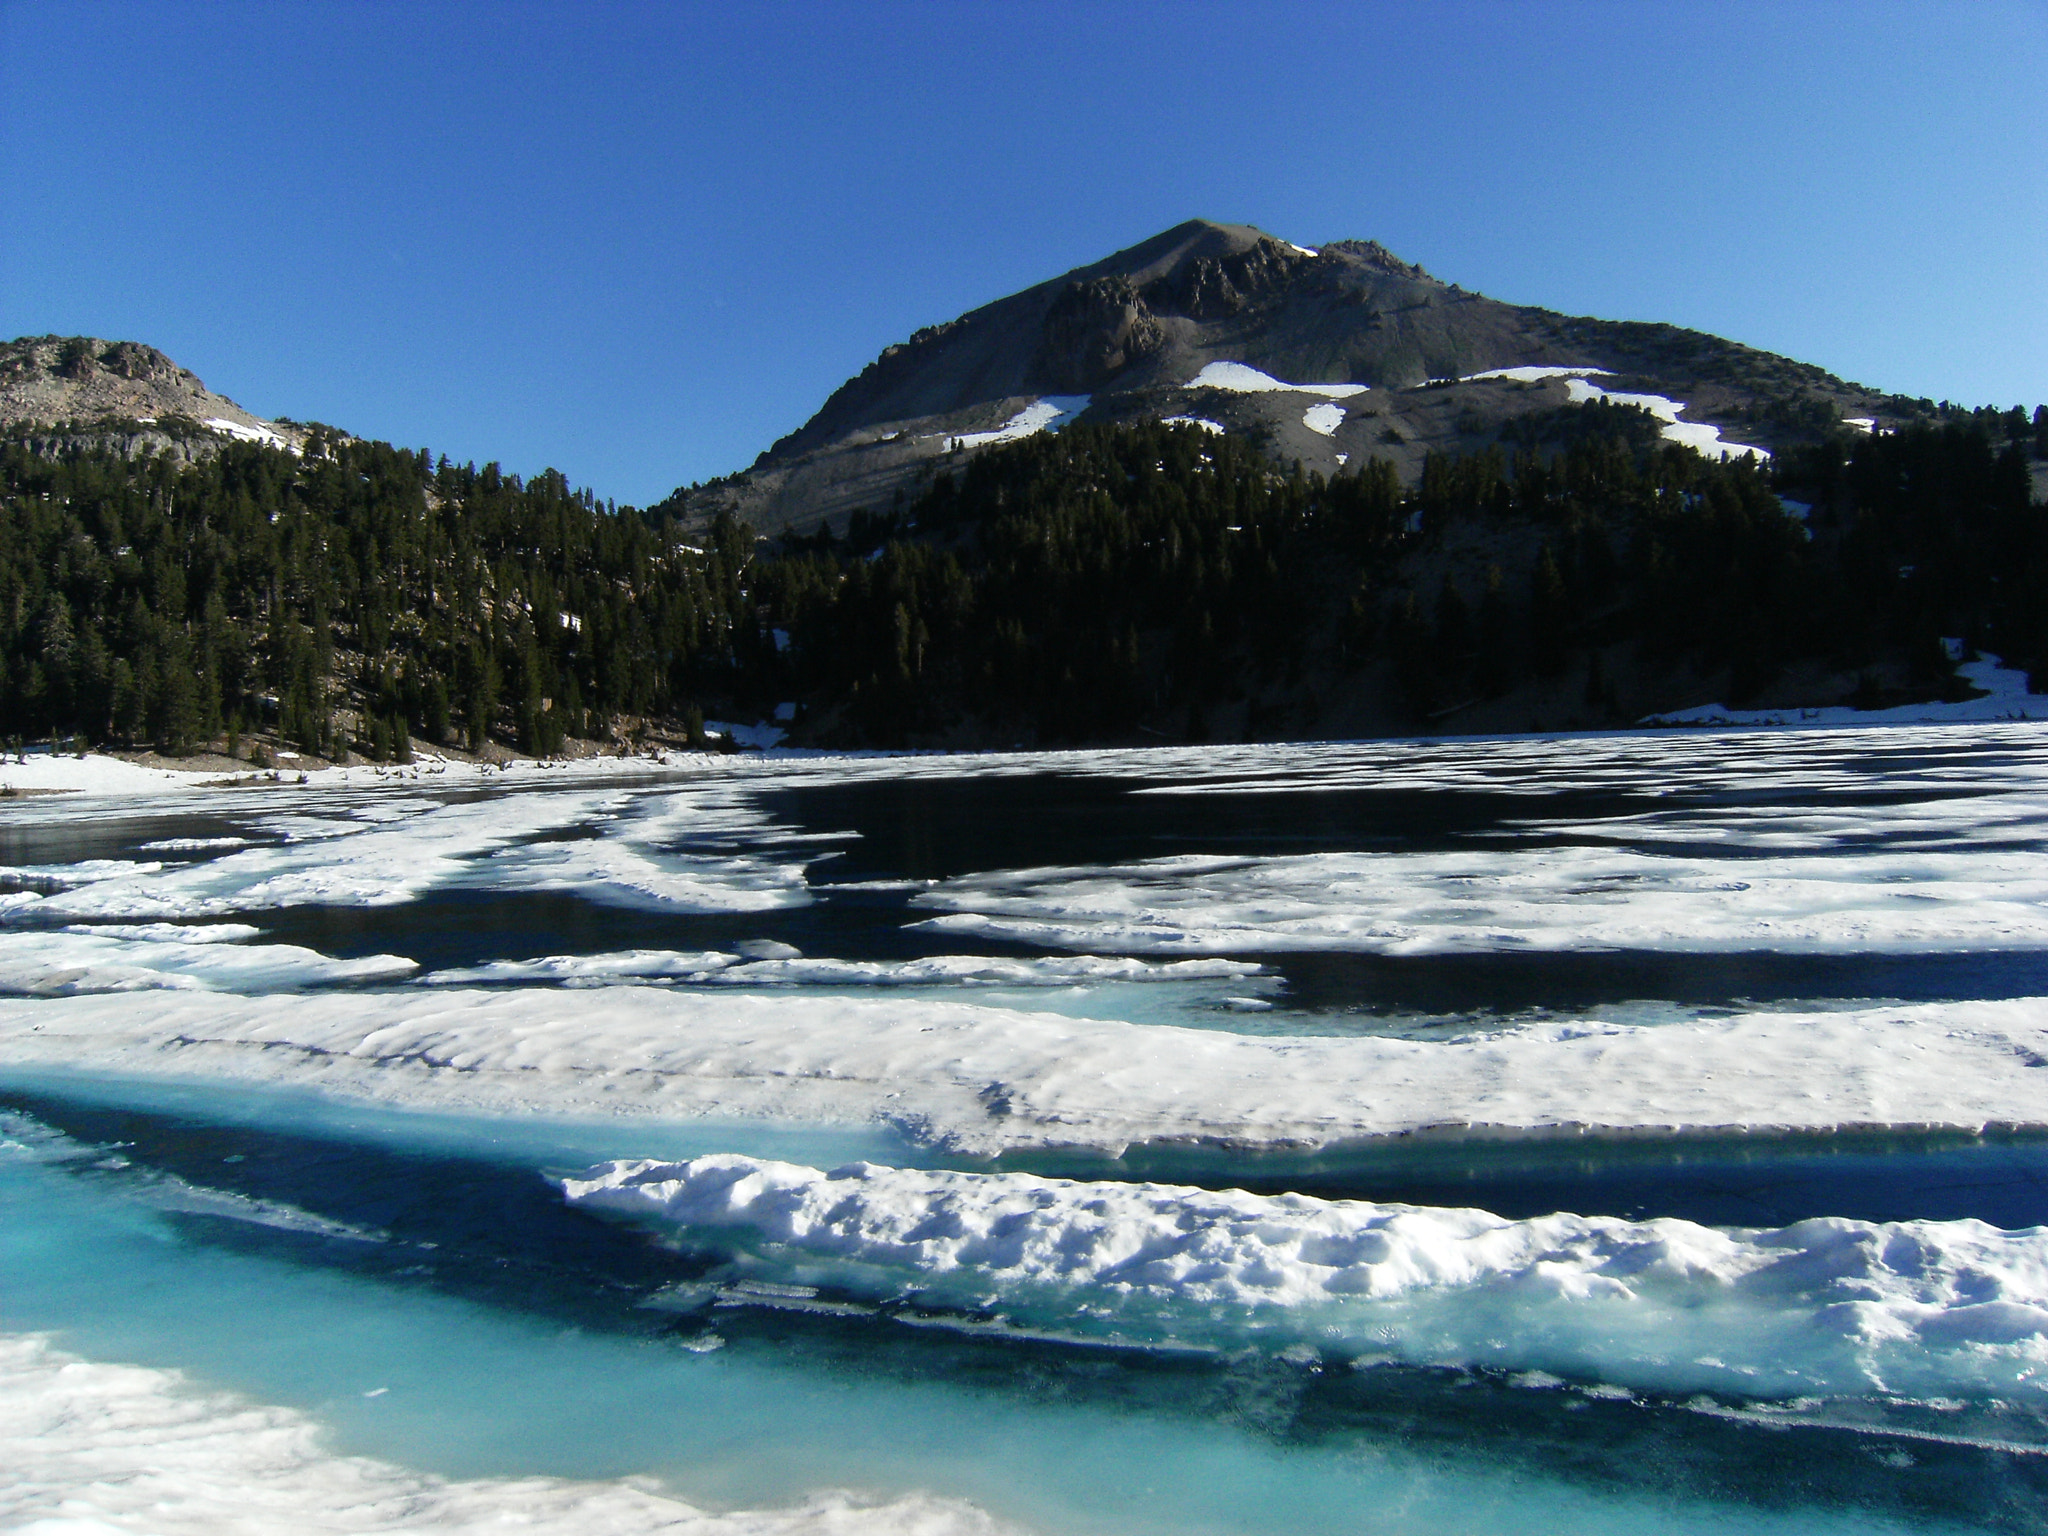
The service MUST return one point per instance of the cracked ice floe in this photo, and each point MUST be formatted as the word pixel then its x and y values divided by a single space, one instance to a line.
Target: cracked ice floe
pixel 1240 379
pixel 718 968
pixel 93 1448
pixel 120 958
pixel 676 851
pixel 1324 418
pixel 1514 898
pixel 1827 1306
pixel 1046 415
pixel 939 1067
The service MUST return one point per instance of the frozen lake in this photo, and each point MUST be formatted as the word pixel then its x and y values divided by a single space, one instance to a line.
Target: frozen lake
pixel 1644 1132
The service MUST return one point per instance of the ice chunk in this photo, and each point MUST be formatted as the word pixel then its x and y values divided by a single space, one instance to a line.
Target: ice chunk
pixel 1826 1306
pixel 928 1064
pixel 76 961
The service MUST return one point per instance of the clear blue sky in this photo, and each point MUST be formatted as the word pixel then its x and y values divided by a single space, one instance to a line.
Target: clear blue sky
pixel 639 242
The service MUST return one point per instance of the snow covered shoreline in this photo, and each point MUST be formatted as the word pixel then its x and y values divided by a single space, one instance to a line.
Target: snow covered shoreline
pixel 37 773
pixel 979 1081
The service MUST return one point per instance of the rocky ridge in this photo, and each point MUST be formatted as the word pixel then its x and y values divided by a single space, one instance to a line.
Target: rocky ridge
pixel 82 389
pixel 1134 332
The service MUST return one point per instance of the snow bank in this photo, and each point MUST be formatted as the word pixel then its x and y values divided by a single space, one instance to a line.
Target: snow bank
pixel 1827 1306
pixel 1532 373
pixel 760 736
pixel 1699 436
pixel 2003 695
pixel 92 774
pixel 1046 415
pixel 263 434
pixel 93 1449
pixel 1324 418
pixel 1213 427
pixel 982 1080
pixel 1238 379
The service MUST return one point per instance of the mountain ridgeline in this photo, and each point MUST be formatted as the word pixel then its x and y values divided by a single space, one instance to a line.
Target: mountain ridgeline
pixel 1462 554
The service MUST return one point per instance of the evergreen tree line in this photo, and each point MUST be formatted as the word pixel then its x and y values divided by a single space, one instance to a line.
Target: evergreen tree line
pixel 148 602
pixel 1074 583
pixel 1069 586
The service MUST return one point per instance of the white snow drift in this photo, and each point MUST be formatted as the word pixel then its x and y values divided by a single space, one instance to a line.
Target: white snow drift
pixel 1324 419
pixel 1701 437
pixel 1046 415
pixel 1241 379
pixel 1826 1306
pixel 981 1080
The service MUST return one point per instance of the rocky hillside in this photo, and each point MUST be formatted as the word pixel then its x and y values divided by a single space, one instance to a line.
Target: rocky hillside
pixel 80 388
pixel 1326 356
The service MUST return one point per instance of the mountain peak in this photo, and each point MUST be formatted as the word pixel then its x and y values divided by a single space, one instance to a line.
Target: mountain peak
pixel 1137 334
pixel 45 380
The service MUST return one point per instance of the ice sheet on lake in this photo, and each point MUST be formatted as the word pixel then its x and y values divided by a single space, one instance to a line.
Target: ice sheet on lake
pixel 794 969
pixel 75 962
pixel 1514 898
pixel 981 1080
pixel 1827 1306
pixel 698 848
pixel 93 1448
pixel 341 860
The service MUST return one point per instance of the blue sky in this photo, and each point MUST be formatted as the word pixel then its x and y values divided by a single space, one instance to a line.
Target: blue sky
pixel 639 242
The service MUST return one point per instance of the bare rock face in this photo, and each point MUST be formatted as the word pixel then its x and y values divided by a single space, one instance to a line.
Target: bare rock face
pixel 1212 287
pixel 83 380
pixel 1093 332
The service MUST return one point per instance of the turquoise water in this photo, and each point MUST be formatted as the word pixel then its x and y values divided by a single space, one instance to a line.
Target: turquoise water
pixel 478 1387
pixel 414 1282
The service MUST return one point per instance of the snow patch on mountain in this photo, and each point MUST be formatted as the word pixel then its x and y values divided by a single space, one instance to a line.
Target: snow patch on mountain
pixel 1702 437
pixel 1324 418
pixel 1046 415
pixel 1239 379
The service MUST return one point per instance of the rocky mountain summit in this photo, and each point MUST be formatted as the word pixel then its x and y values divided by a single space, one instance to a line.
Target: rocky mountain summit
pixel 84 388
pixel 1327 356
